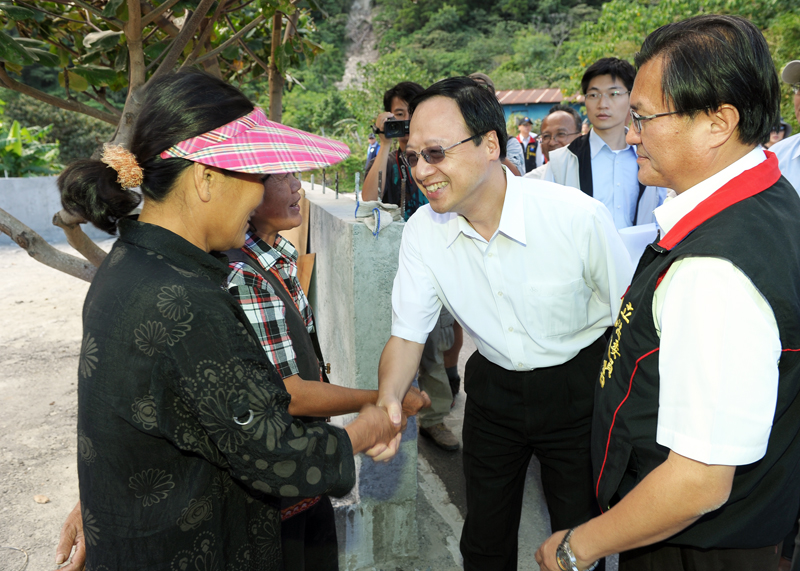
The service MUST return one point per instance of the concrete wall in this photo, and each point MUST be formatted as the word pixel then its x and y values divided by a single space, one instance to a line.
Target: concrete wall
pixel 33 201
pixel 351 296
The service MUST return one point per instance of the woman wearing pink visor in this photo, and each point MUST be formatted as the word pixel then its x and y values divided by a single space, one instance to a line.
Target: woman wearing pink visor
pixel 186 445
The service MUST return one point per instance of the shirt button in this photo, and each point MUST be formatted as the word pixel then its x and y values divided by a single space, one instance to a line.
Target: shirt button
pixel 500 293
pixel 490 254
pixel 511 329
pixel 520 365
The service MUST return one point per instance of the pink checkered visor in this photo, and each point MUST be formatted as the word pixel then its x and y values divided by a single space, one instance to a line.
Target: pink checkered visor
pixel 254 144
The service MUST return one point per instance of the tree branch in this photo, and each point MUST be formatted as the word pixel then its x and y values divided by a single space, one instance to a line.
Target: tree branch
pixel 40 250
pixel 161 22
pixel 250 52
pixel 187 31
pixel 43 11
pixel 204 35
pixel 68 104
pixel 133 36
pixel 232 39
pixel 71 225
pixel 103 101
pixel 156 12
pixel 99 13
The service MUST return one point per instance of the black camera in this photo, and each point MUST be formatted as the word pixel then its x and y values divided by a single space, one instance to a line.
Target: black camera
pixel 392 129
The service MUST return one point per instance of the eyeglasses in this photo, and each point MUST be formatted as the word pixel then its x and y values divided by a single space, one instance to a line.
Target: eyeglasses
pixel 612 95
pixel 779 128
pixel 637 119
pixel 558 137
pixel 433 155
pixel 796 88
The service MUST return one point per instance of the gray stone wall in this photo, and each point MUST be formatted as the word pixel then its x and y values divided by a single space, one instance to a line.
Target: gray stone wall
pixel 33 201
pixel 351 296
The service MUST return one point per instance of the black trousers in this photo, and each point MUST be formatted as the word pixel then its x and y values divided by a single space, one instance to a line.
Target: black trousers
pixel 660 557
pixel 308 539
pixel 509 416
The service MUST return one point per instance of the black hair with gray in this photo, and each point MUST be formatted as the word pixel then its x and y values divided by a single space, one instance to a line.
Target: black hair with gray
pixel 567 109
pixel 405 90
pixel 478 105
pixel 711 60
pixel 176 107
pixel 617 68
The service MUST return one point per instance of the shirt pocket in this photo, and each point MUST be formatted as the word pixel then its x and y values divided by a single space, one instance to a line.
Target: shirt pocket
pixel 556 309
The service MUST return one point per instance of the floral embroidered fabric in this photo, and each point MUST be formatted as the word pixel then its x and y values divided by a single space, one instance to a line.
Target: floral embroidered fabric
pixel 185 444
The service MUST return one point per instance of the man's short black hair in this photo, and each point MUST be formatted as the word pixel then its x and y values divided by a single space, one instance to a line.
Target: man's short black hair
pixel 478 105
pixel 405 90
pixel 711 60
pixel 567 109
pixel 615 67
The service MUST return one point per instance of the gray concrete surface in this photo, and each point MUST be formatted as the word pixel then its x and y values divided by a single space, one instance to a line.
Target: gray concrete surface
pixel 33 201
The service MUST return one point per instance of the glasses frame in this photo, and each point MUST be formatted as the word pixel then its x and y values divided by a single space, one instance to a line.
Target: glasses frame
pixel 638 119
pixel 425 153
pixel 557 136
pixel 598 95
pixel 796 88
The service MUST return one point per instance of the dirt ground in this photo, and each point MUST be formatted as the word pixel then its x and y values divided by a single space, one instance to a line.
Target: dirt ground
pixel 40 337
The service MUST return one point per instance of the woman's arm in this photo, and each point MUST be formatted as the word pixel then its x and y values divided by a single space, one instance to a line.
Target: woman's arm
pixel 313 398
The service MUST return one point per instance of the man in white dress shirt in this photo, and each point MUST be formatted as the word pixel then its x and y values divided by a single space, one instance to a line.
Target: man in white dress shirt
pixel 534 272
pixel 696 429
pixel 788 150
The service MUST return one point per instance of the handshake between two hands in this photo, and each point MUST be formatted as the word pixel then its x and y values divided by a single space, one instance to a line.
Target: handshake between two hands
pixel 378 428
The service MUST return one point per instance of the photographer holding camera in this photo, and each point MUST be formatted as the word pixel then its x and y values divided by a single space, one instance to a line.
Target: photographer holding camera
pixel 395 174
pixel 398 187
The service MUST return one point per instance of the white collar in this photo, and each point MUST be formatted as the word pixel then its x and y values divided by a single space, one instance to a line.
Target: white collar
pixel 596 143
pixel 679 205
pixel 512 218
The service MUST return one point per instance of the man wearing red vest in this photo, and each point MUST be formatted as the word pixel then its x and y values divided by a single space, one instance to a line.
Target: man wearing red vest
pixel 696 427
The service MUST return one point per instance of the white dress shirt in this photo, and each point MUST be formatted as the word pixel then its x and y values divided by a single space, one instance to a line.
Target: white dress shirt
pixel 546 285
pixel 788 153
pixel 718 361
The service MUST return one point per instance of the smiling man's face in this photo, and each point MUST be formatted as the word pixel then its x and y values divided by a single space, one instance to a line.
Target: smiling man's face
pixel 454 184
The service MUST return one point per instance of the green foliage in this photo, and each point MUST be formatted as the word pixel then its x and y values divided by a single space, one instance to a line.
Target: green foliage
pixel 24 151
pixel 783 37
pixel 79 136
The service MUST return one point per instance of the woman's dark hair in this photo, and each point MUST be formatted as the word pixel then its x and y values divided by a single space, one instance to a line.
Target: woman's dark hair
pixel 478 105
pixel 176 107
pixel 710 60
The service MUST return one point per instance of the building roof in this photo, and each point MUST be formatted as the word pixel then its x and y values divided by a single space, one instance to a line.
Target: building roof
pixel 534 96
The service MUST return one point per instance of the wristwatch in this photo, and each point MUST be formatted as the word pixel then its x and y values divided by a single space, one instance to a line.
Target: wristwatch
pixel 566 559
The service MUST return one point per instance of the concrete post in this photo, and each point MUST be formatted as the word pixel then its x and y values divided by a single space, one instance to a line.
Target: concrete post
pixel 351 296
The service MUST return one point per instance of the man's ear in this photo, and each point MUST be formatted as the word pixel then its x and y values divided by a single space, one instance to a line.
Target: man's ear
pixel 723 125
pixel 204 178
pixel 492 145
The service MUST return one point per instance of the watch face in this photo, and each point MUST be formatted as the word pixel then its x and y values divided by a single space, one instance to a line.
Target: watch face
pixel 563 560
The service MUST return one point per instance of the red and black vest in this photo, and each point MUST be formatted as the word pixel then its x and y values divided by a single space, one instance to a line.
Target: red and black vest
pixel 754 222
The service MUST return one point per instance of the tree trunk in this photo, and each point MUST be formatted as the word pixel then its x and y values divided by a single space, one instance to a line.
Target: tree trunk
pixel 276 79
pixel 40 250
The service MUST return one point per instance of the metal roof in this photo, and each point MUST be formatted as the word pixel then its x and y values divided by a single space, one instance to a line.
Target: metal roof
pixel 534 96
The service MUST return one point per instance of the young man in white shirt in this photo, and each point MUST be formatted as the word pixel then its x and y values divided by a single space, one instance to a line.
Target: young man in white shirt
pixel 602 164
pixel 696 431
pixel 533 271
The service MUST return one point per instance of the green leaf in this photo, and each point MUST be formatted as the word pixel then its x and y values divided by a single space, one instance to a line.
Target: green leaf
pixel 102 40
pixel 46 58
pixel 111 8
pixel 121 61
pixel 63 57
pixel 12 51
pixel 14 140
pixel 17 12
pixel 94 74
pixel 76 82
